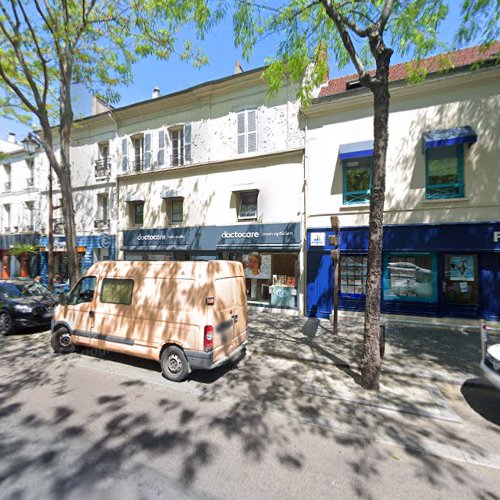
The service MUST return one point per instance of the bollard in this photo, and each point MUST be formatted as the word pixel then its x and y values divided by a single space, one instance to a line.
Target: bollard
pixel 382 341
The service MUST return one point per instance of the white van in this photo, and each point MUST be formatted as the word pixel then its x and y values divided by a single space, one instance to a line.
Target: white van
pixel 186 315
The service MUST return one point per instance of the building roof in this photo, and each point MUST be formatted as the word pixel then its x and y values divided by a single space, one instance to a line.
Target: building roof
pixel 434 64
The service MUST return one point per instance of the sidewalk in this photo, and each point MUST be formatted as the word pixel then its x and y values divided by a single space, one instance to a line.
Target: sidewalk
pixel 446 354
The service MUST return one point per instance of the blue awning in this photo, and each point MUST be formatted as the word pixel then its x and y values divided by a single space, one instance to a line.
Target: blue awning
pixel 449 137
pixel 356 150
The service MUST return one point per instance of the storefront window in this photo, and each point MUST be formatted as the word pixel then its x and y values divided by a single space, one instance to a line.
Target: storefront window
pixel 460 279
pixel 410 277
pixel 271 278
pixel 353 270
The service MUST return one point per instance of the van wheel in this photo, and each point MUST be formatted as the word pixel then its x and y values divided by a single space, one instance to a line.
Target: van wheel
pixel 174 364
pixel 61 341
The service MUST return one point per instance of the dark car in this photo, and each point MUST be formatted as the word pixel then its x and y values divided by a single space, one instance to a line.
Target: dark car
pixel 23 304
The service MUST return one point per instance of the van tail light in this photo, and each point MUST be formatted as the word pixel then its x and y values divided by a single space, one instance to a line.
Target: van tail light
pixel 208 338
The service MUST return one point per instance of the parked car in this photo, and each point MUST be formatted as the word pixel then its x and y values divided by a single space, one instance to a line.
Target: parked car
pixel 24 303
pixel 490 362
pixel 186 315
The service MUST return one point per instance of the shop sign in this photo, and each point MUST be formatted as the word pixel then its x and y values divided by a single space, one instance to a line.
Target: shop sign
pixel 104 240
pixel 496 236
pixel 212 238
pixel 318 239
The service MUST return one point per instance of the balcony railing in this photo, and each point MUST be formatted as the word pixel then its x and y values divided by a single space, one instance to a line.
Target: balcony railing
pixel 28 228
pixel 6 229
pixel 7 186
pixel 102 167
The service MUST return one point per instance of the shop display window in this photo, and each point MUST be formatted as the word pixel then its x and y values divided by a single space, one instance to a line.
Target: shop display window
pixel 353 272
pixel 271 278
pixel 460 284
pixel 410 277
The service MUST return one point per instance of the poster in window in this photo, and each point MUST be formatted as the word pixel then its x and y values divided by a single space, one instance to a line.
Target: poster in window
pixel 462 268
pixel 257 266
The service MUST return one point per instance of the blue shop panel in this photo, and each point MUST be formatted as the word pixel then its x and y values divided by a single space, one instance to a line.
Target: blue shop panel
pixel 490 286
pixel 319 289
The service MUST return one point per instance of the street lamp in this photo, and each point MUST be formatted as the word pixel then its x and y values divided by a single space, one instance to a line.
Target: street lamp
pixel 31 145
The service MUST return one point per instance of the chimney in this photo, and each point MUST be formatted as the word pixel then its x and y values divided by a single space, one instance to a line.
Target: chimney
pixel 12 138
pixel 156 93
pixel 237 68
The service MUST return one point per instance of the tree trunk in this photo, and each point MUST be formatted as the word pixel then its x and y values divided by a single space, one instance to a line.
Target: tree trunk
pixel 372 361
pixel 66 121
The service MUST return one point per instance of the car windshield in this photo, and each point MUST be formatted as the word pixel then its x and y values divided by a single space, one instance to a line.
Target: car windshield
pixel 12 290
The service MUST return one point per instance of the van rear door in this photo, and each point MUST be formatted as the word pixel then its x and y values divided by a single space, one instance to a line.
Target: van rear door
pixel 230 315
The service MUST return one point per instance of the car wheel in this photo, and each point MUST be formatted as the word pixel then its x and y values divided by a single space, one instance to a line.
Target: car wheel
pixel 6 323
pixel 61 341
pixel 174 364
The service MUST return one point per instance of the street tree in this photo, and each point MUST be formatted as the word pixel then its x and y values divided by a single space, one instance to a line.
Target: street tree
pixel 364 33
pixel 47 46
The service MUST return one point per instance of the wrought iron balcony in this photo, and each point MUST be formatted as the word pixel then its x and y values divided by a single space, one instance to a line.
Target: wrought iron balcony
pixel 102 167
pixel 101 224
pixel 7 186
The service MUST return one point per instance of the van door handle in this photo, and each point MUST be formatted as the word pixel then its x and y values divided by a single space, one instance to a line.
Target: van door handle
pixel 92 314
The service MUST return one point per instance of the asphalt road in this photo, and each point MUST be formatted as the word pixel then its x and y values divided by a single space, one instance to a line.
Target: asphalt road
pixel 93 425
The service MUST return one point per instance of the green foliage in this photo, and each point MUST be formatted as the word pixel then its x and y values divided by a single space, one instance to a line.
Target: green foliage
pixel 301 26
pixel 22 248
pixel 47 46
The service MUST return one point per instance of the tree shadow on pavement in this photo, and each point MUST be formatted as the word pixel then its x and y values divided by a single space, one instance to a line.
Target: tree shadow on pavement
pixel 484 400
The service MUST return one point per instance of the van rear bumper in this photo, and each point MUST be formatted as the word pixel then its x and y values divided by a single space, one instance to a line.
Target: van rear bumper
pixel 199 360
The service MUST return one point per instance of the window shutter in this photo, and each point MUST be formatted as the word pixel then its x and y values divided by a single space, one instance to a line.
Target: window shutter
pixel 241 132
pixel 124 154
pixel 147 152
pixel 187 143
pixel 160 158
pixel 252 131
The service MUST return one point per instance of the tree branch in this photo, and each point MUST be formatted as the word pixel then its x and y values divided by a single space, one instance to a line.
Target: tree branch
pixel 384 17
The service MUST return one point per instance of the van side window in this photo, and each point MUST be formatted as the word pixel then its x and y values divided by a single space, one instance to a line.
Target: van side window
pixel 117 291
pixel 83 291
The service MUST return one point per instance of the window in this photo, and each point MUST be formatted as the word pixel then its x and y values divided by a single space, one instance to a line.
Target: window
pixel 445 172
pixel 103 150
pixel 177 207
pixel 138 143
pixel 29 216
pixel 357 180
pixel 83 291
pixel 248 205
pixel 117 291
pixel 6 218
pixel 177 147
pixel 8 177
pixel 461 284
pixel 181 145
pixel 353 271
pixel 247 131
pixel 410 277
pixel 102 207
pixel 138 213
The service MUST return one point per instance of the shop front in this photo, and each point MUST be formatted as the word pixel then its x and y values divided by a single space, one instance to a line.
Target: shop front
pixel 269 254
pixel 90 249
pixel 21 264
pixel 437 270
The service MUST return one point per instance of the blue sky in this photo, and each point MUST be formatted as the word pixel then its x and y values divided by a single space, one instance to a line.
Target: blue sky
pixel 174 75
